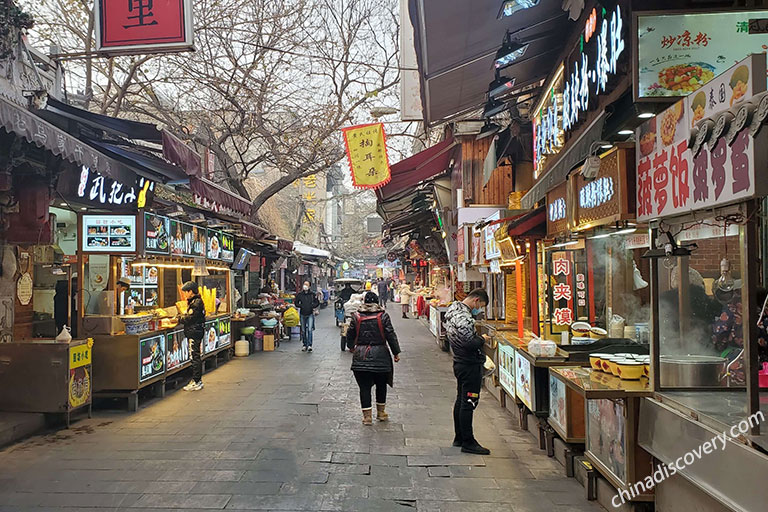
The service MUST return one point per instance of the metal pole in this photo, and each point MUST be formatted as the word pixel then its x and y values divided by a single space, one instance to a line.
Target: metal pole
pixel 749 252
pixel 654 326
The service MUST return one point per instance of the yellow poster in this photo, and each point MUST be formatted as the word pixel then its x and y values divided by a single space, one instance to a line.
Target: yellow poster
pixel 367 153
pixel 79 355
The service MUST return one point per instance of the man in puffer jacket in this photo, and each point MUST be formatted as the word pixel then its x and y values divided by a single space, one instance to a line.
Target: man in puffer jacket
pixel 468 360
pixel 367 337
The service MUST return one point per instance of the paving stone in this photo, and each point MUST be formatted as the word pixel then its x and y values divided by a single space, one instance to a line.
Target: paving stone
pixel 281 431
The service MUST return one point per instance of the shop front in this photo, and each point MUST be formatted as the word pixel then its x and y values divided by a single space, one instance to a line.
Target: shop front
pixel 699 173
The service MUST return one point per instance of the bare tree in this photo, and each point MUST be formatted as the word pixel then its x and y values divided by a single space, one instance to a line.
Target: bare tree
pixel 270 83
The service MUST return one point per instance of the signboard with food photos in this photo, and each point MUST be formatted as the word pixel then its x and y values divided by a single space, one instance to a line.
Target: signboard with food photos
pixel 151 357
pixel 227 247
pixel 214 245
pixel 700 152
pixel 678 53
pixel 187 240
pixel 157 234
pixel 109 233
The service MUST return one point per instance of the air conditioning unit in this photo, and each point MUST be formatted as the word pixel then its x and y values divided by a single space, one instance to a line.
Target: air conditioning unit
pixel 468 127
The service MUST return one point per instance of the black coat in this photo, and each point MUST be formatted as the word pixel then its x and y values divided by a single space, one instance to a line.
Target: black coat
pixel 364 337
pixel 307 302
pixel 194 319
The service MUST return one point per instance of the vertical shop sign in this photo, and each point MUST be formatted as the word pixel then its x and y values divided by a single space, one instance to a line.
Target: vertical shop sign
pixel 581 290
pixel 367 153
pixel 130 27
pixel 562 292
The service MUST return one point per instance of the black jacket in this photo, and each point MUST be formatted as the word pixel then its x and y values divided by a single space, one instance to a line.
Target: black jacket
pixel 346 293
pixel 306 302
pixel 466 344
pixel 364 336
pixel 194 319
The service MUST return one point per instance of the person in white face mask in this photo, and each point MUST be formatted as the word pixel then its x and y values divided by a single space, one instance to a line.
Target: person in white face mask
pixel 307 302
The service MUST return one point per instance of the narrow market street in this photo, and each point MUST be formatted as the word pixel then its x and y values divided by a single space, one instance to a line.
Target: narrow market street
pixel 282 431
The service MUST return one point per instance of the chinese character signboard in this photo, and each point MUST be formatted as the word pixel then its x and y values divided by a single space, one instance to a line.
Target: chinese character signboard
pixel 367 153
pixel 591 71
pixel 109 233
pixel 188 240
pixel 679 53
pixel 126 27
pixel 672 179
pixel 610 197
pixel 557 210
pixel 561 292
pixel 492 249
pixel 85 186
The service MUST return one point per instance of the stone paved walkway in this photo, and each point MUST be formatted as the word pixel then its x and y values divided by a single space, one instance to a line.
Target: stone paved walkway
pixel 281 431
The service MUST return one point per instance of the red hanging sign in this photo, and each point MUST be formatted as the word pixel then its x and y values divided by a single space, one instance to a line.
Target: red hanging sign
pixel 125 27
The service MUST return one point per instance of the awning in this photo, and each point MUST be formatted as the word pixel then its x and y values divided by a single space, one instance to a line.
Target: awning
pixel 420 167
pixel 529 224
pixel 456 43
pixel 141 160
pixel 211 195
pixel 574 155
pixel 308 250
pixel 175 150
pixel 41 133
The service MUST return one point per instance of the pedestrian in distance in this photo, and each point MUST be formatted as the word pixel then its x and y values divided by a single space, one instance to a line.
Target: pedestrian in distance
pixel 193 321
pixel 383 292
pixel 405 298
pixel 468 360
pixel 373 342
pixel 307 302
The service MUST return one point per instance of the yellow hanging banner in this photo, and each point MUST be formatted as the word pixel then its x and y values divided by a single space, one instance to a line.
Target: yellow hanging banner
pixel 367 153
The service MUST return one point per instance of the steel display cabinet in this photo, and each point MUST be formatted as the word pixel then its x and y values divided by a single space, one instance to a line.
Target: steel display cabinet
pixel 45 376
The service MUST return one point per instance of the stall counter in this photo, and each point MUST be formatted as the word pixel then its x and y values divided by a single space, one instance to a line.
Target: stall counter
pixel 128 362
pixel 608 412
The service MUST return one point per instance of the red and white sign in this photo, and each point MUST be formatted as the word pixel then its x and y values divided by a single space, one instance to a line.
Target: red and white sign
pixel 670 179
pixel 562 291
pixel 127 27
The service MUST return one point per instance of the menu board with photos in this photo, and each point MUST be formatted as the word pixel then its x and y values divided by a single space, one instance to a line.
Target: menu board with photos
pixel 178 349
pixel 214 245
pixel 157 234
pixel 187 240
pixel 109 233
pixel 227 247
pixel 224 329
pixel 151 357
pixel 210 337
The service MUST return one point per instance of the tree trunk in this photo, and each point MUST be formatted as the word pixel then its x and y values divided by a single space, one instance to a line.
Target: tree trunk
pixel 276 187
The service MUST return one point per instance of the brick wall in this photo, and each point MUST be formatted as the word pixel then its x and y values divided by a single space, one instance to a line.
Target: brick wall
pixel 706 259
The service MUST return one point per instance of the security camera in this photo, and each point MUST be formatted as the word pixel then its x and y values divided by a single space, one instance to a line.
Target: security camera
pixel 591 167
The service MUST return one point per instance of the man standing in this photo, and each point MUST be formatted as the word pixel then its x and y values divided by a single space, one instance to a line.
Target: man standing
pixel 307 302
pixel 193 321
pixel 383 292
pixel 468 360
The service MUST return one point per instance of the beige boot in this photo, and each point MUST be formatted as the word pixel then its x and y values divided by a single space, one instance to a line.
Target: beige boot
pixel 367 417
pixel 381 414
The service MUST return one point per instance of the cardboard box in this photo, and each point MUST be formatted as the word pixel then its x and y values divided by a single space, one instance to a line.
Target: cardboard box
pixel 269 342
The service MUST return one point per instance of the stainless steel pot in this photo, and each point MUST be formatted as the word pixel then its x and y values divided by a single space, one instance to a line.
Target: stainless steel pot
pixel 693 371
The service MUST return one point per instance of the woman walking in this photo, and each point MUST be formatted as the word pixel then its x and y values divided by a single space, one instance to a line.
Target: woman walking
pixel 367 337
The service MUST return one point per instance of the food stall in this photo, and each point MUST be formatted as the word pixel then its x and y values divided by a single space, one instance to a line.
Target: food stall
pixel 602 410
pixel 141 344
pixel 705 333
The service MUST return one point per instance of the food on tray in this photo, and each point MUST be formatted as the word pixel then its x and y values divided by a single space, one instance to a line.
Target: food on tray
pixel 739 81
pixel 120 230
pixel 152 274
pixel 98 230
pixel 120 241
pixel 669 125
pixel 685 77
pixel 97 242
pixel 697 106
pixel 648 138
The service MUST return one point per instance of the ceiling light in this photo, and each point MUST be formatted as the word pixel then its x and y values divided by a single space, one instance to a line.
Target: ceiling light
pixel 500 86
pixel 606 146
pixel 63 204
pixel 646 115
pixel 601 235
pixel 510 7
pixel 626 132
pixel 566 244
pixel 627 231
pixel 83 208
pixel 493 107
pixel 487 130
pixel 509 52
